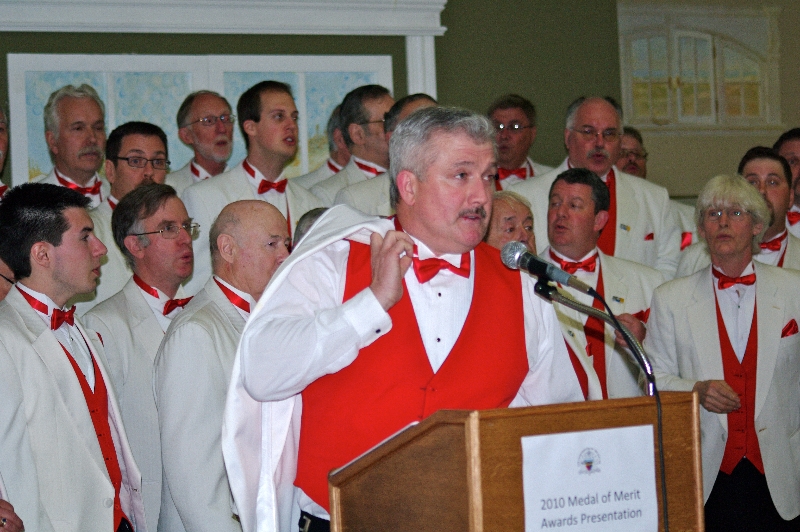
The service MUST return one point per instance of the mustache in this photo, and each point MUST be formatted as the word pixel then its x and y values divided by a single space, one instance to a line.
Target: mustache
pixel 90 150
pixel 600 151
pixel 480 211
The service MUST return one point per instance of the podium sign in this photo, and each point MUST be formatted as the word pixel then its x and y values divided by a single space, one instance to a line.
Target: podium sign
pixel 590 481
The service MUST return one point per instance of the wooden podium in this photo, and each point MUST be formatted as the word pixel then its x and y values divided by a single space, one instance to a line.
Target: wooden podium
pixel 462 470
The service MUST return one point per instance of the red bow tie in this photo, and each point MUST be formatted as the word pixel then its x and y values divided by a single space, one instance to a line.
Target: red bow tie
pixel 4 188
pixel 266 186
pixel 726 282
pixel 62 316
pixel 426 269
pixel 775 243
pixel 503 173
pixel 793 217
pixel 588 265
pixel 57 318
pixel 172 304
pixel 93 190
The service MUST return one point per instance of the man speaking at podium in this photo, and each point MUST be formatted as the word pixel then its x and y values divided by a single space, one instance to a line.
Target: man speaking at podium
pixel 374 324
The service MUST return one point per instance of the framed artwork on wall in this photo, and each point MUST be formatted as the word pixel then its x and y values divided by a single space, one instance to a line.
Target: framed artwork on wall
pixel 151 88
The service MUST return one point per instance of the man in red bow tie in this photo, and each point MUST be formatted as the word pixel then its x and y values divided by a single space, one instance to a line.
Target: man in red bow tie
pixel 154 232
pixel 136 154
pixel 267 118
pixel 372 196
pixel 788 147
pixel 771 174
pixel 250 241
pixel 75 131
pixel 578 212
pixel 641 224
pixel 64 451
pixel 379 323
pixel 729 333
pixel 362 119
pixel 514 119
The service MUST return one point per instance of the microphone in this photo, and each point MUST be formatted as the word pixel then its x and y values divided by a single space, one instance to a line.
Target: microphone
pixel 517 257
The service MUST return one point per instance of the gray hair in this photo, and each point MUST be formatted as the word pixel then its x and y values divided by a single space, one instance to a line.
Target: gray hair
pixel 725 191
pixel 182 118
pixel 67 91
pixel 334 123
pixel 508 195
pixel 572 110
pixel 409 149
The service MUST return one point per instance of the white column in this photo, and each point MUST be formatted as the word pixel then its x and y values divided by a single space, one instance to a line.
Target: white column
pixel 421 64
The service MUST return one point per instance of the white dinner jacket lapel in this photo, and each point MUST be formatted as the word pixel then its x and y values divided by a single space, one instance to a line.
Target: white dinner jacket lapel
pixel 770 305
pixel 627 216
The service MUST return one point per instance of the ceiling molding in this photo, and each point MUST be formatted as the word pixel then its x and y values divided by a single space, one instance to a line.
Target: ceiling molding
pixel 266 17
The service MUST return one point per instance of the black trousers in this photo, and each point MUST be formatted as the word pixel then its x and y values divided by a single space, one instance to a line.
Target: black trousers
pixel 310 523
pixel 741 502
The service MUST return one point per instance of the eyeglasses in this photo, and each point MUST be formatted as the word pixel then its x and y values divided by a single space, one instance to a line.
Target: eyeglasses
pixel 172 231
pixel 624 154
pixel 211 120
pixel 733 214
pixel 513 127
pixel 6 278
pixel 589 133
pixel 141 162
pixel 381 121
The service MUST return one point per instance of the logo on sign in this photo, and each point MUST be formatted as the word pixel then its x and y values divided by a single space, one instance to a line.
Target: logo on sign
pixel 588 461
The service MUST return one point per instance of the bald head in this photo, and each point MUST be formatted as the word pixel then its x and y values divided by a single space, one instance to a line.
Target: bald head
pixel 249 240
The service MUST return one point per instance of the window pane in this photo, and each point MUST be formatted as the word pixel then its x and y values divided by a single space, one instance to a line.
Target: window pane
pixel 660 100
pixel 752 100
pixel 641 99
pixel 733 99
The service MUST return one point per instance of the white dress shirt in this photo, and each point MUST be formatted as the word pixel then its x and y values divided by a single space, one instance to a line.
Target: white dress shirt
pixel 736 304
pixel 767 256
pixel 156 304
pixel 589 278
pixel 273 197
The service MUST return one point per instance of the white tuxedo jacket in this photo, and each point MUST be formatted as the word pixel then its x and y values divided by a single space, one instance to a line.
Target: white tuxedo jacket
pixel 643 209
pixel 53 469
pixel 696 257
pixel 192 372
pixel 370 196
pixel 628 287
pixel 132 335
pixel 312 178
pixel 114 270
pixel 180 179
pixel 206 199
pixel 326 190
pixel 683 344
pixel 105 188
pixel 684 216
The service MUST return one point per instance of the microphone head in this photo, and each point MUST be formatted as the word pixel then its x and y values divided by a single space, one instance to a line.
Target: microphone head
pixel 511 253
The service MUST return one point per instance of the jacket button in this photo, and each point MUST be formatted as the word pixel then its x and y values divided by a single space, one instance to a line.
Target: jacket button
pixel 108 503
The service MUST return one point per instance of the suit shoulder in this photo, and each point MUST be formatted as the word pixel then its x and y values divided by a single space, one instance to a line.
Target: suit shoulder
pixel 640 271
pixel 116 307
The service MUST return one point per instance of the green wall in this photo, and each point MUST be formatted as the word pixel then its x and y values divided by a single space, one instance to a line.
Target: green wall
pixel 549 51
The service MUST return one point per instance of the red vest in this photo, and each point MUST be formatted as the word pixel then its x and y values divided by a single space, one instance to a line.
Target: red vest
pixel 391 383
pixel 97 402
pixel 594 330
pixel 741 376
pixel 608 236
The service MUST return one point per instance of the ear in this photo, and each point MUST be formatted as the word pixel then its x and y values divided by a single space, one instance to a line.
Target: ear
pixel 111 170
pixel 408 185
pixel 600 220
pixel 249 127
pixel 40 254
pixel 356 134
pixel 227 247
pixel 185 135
pixel 134 246
pixel 757 228
pixel 50 138
pixel 338 139
pixel 567 133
